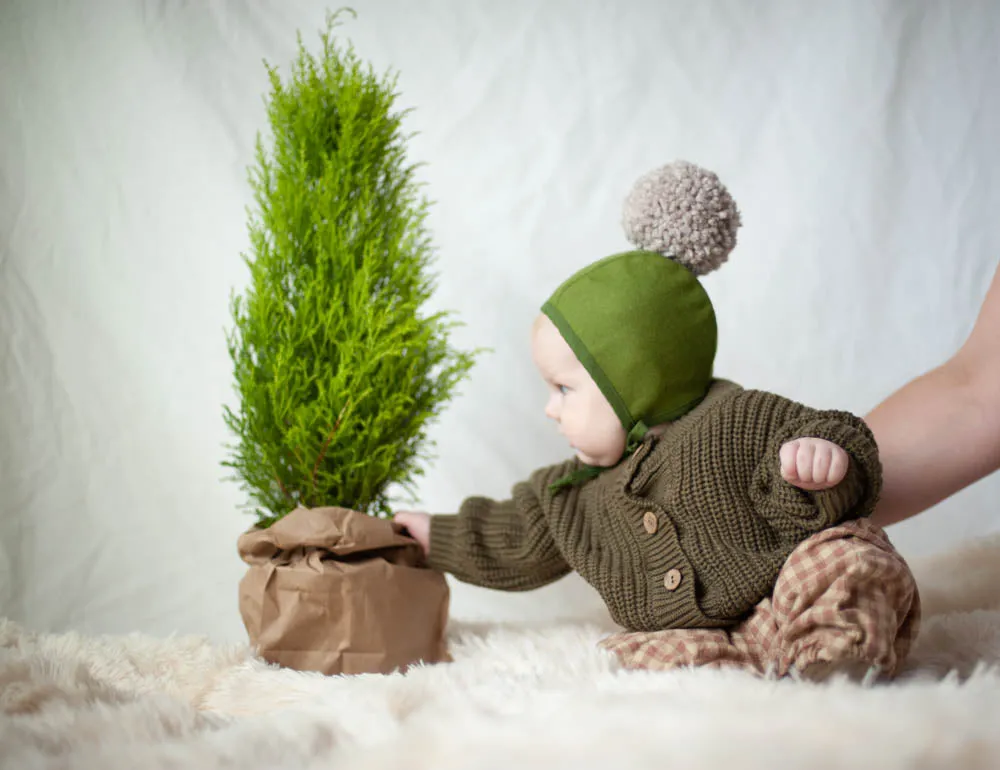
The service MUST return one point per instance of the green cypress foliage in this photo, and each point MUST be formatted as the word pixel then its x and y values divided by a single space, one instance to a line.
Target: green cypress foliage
pixel 338 371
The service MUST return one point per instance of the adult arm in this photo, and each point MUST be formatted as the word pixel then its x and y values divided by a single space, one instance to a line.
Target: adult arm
pixel 941 432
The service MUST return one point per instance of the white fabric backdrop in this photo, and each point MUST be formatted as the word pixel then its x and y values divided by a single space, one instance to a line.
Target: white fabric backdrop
pixel 858 138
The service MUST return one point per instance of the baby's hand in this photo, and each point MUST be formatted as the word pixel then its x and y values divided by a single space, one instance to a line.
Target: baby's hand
pixel 813 463
pixel 417 526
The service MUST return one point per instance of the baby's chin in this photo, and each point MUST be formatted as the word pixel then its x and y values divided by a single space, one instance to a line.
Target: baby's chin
pixel 587 459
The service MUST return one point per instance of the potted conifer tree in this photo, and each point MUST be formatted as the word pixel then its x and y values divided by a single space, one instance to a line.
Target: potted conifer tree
pixel 339 372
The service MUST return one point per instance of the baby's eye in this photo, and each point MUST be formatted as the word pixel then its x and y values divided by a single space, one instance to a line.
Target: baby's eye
pixel 563 389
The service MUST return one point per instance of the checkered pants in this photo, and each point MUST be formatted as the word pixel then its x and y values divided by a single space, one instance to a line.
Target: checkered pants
pixel 843 594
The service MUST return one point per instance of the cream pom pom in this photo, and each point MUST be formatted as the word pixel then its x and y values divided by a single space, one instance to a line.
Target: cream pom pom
pixel 685 213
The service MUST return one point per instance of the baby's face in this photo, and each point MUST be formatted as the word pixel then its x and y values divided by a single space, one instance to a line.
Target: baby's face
pixel 581 411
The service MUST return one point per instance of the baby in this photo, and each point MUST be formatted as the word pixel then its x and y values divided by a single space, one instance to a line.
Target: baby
pixel 721 526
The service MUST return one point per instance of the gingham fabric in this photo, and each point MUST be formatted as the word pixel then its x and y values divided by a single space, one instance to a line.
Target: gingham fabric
pixel 843 594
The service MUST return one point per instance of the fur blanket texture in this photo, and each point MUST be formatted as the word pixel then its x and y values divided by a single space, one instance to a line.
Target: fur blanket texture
pixel 516 696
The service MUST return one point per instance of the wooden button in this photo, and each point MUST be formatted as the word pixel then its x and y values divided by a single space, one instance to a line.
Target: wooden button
pixel 650 522
pixel 672 579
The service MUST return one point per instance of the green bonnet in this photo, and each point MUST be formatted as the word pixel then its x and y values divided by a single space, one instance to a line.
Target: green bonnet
pixel 640 321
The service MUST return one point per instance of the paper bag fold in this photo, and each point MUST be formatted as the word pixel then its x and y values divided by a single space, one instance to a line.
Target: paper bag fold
pixel 340 592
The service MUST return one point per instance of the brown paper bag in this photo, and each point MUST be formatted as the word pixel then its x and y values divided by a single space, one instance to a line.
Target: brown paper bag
pixel 340 592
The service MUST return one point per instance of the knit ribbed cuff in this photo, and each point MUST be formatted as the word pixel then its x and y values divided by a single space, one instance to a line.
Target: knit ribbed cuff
pixel 445 552
pixel 858 492
pixel 836 501
pixel 795 513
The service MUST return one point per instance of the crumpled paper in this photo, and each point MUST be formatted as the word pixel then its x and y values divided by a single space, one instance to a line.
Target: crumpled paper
pixel 340 592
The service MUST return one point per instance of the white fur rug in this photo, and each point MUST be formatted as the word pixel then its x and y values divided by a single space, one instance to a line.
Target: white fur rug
pixel 515 697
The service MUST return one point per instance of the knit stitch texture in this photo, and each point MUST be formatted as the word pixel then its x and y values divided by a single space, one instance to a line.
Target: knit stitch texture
pixel 690 531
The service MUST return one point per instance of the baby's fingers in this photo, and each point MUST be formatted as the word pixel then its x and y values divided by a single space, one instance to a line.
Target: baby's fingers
pixel 822 463
pixel 787 456
pixel 804 461
pixel 839 462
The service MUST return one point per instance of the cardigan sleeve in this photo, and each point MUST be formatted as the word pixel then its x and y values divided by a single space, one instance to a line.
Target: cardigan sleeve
pixel 506 544
pixel 795 513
